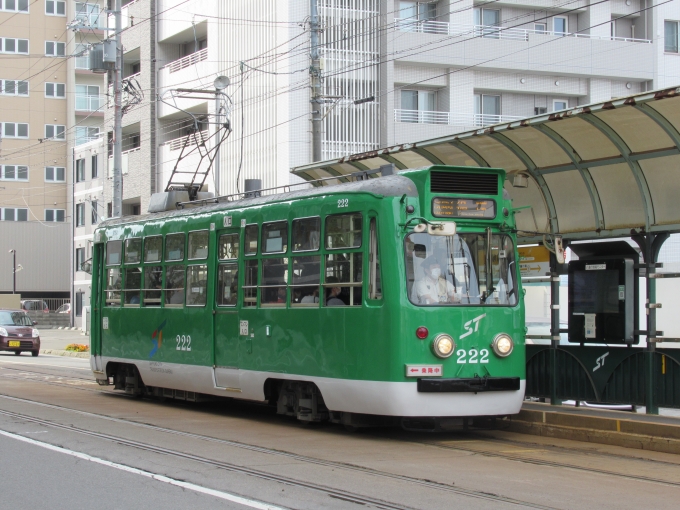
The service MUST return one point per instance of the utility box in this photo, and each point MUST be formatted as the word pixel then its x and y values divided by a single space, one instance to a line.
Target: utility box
pixel 109 56
pixel 602 301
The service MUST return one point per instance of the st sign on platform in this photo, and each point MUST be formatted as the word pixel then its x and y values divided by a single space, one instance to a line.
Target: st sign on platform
pixel 534 261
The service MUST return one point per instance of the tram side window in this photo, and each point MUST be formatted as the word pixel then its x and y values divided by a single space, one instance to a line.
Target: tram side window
pixel 198 245
pixel 133 250
pixel 305 281
pixel 306 234
pixel 227 285
pixel 343 231
pixel 343 279
pixel 133 284
pixel 113 286
pixel 374 282
pixel 229 245
pixel 174 247
pixel 153 285
pixel 275 237
pixel 153 246
pixel 197 285
pixel 174 286
pixel 273 283
pixel 113 252
pixel 250 284
pixel 251 240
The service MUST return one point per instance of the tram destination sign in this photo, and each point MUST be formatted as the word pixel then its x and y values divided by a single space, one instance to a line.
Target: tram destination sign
pixel 463 208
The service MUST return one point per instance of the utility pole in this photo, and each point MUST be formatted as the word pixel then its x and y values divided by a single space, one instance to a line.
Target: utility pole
pixel 315 71
pixel 14 270
pixel 118 119
pixel 218 126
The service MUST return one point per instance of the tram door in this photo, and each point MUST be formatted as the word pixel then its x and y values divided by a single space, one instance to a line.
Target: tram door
pixel 226 326
pixel 96 307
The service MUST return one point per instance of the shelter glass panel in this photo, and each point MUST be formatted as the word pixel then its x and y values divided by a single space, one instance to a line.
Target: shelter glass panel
pixel 620 196
pixel 250 283
pixel 343 231
pixel 306 234
pixel 451 155
pixel 133 285
pixel 251 240
pixel 153 285
pixel 663 179
pixel 133 250
pixel 639 131
pixel 572 201
pixel 174 247
pixel 305 281
pixel 113 286
pixel 668 108
pixel 588 141
pixel 153 248
pixel 227 285
pixel 495 153
pixel 198 245
pixel 343 279
pixel 541 149
pixel 174 286
pixel 197 285
pixel 114 251
pixel 229 245
pixel 275 237
pixel 536 217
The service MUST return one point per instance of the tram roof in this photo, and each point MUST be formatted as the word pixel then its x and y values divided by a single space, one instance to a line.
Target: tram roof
pixel 596 171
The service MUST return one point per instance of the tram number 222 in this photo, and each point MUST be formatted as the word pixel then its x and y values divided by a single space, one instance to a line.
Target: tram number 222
pixel 183 342
pixel 475 356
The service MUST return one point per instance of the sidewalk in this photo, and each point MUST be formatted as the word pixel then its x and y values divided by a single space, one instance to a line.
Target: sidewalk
pixel 58 339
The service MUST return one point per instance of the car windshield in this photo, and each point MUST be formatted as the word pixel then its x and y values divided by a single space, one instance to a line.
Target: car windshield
pixel 15 319
pixel 453 270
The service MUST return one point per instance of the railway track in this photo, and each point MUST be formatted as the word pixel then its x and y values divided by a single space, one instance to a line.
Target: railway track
pixel 330 491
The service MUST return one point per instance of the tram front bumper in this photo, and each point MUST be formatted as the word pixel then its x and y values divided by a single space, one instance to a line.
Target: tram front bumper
pixel 468 385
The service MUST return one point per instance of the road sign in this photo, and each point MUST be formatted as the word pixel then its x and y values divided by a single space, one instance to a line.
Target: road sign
pixel 534 261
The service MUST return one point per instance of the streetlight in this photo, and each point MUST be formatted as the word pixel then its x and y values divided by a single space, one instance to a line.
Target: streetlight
pixel 14 270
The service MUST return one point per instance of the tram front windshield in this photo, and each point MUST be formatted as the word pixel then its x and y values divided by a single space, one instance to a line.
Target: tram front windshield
pixel 463 269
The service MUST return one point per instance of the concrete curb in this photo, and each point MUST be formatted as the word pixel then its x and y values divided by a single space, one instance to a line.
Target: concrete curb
pixel 643 435
pixel 61 352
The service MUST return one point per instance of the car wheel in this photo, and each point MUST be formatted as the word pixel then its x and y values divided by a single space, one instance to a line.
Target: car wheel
pixel 16 353
pixel 35 353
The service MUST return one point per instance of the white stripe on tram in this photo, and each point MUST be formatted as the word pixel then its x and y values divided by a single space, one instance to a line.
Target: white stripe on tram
pixel 252 503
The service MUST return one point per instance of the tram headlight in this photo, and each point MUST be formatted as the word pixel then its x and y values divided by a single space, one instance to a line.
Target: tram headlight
pixel 443 345
pixel 502 345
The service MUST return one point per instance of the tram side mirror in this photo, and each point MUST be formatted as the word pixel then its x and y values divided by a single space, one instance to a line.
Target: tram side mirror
pixel 559 250
pixel 442 229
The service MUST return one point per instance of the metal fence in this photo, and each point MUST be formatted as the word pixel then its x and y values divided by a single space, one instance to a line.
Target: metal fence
pixel 44 304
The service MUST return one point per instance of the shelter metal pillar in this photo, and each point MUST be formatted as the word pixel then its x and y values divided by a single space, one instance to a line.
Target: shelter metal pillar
pixel 554 329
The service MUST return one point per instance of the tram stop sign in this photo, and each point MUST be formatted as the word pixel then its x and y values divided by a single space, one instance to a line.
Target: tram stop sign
pixel 534 261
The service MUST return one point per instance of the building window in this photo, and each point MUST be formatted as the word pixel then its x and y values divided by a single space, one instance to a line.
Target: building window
pixel 488 18
pixel 12 214
pixel 540 28
pixel 559 25
pixel 55 49
pixel 86 134
pixel 560 104
pixel 54 215
pixel 55 174
pixel 55 7
pixel 670 36
pixel 14 5
pixel 13 88
pixel 419 106
pixel 417 16
pixel 80 258
pixel 88 14
pixel 13 173
pixel 82 56
pixel 14 45
pixel 80 215
pixel 87 98
pixel 487 109
pixel 14 130
pixel 95 169
pixel 55 132
pixel 540 110
pixel 55 90
pixel 80 170
pixel 79 304
pixel 109 210
pixel 95 214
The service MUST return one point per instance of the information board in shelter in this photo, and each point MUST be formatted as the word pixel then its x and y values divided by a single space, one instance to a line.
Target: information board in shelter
pixel 463 208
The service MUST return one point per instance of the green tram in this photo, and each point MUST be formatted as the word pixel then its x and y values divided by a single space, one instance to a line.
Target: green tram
pixel 396 297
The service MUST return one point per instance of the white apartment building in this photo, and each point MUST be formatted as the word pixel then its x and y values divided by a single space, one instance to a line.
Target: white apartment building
pixel 393 72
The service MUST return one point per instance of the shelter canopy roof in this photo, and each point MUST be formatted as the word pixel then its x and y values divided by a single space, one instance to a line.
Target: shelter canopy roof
pixel 595 171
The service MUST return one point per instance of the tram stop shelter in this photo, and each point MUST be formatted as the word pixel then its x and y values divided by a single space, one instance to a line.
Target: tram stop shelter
pixel 597 172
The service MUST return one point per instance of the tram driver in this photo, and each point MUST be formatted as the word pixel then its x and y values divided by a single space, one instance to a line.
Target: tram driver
pixel 432 287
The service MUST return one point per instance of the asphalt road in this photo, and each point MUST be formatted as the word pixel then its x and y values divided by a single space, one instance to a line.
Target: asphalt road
pixel 66 442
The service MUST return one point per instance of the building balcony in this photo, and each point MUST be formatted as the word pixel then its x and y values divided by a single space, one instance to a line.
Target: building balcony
pixel 494 32
pixel 184 73
pixel 131 158
pixel 450 118
pixel 87 104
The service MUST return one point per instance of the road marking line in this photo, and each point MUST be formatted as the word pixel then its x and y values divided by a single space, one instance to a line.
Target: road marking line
pixel 186 485
pixel 522 450
pixel 44 365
